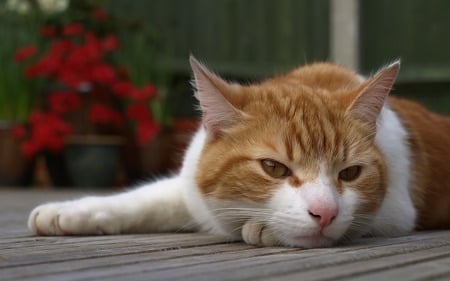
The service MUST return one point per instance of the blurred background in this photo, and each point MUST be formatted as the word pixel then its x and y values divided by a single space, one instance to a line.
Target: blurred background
pixel 96 94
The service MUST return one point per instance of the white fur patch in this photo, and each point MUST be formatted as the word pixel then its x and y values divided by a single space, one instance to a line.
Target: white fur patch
pixel 397 214
pixel 195 201
pixel 293 225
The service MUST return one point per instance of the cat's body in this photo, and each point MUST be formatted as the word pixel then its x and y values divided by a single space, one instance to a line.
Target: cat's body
pixel 306 159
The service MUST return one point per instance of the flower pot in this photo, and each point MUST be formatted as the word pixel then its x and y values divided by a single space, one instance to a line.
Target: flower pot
pixel 93 161
pixel 55 164
pixel 15 169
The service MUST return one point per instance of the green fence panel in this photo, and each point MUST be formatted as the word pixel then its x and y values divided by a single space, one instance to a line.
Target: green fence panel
pixel 417 31
pixel 238 37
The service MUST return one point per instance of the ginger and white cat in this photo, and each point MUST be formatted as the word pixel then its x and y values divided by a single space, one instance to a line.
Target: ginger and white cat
pixel 307 159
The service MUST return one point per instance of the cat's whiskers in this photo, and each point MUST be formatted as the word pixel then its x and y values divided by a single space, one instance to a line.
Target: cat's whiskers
pixel 360 223
pixel 383 231
pixel 186 227
pixel 241 215
pixel 345 238
pixel 291 222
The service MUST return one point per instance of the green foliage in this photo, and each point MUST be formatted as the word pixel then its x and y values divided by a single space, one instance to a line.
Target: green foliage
pixel 18 28
pixel 16 94
pixel 142 49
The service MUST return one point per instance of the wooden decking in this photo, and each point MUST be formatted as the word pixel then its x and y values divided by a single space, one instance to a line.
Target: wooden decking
pixel 422 256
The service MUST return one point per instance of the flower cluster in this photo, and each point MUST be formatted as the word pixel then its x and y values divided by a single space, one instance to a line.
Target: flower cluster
pixel 79 63
pixel 48 132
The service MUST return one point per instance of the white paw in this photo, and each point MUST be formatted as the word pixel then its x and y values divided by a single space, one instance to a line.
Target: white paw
pixel 258 234
pixel 69 218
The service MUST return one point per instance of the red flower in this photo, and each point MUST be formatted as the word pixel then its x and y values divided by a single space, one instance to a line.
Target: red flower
pixel 102 114
pixel 99 14
pixel 47 132
pixel 138 112
pixel 60 47
pixel 72 29
pixel 45 66
pixel 60 102
pixel 122 88
pixel 24 53
pixel 110 43
pixel 103 73
pixel 70 78
pixel 29 148
pixel 91 47
pixel 143 94
pixel 48 31
pixel 50 133
pixel 146 131
pixel 78 59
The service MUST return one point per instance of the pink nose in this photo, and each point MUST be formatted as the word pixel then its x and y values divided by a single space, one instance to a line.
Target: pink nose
pixel 324 215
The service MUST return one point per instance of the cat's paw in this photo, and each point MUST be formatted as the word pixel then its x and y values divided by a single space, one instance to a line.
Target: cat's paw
pixel 258 234
pixel 69 218
pixel 44 220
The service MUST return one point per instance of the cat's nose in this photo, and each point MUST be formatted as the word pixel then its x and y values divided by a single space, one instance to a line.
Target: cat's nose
pixel 323 215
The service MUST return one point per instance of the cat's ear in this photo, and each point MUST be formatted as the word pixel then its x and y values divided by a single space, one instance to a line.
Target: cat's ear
pixel 215 97
pixel 371 98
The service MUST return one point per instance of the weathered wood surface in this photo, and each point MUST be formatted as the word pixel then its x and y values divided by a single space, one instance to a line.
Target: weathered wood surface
pixel 421 256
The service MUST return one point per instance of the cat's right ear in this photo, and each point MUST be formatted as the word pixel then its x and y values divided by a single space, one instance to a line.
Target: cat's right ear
pixel 214 96
pixel 371 98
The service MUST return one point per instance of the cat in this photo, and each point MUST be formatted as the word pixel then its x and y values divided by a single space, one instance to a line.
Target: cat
pixel 308 159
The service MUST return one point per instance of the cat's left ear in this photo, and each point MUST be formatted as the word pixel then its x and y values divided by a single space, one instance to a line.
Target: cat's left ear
pixel 371 98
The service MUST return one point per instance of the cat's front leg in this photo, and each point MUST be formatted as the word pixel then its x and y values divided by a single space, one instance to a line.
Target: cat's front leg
pixel 155 207
pixel 258 234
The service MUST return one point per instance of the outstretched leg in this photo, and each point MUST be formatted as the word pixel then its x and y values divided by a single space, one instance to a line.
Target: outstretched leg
pixel 155 207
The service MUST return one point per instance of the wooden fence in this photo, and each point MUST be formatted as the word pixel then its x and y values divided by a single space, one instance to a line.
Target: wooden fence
pixel 242 38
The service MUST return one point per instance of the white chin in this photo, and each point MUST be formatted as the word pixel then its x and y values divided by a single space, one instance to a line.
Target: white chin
pixel 314 241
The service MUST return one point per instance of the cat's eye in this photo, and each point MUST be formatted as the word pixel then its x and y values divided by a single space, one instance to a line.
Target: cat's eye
pixel 350 174
pixel 275 169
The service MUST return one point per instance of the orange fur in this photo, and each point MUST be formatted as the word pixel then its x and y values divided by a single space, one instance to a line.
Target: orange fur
pixel 299 120
pixel 429 139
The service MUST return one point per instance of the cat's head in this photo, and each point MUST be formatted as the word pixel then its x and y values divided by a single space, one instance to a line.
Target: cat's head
pixel 295 152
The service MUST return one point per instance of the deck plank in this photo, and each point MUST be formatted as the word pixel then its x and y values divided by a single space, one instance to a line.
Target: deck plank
pixel 195 256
